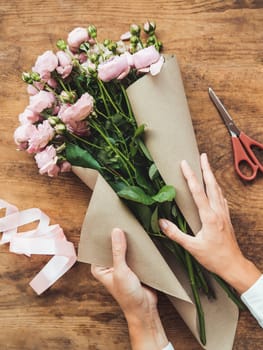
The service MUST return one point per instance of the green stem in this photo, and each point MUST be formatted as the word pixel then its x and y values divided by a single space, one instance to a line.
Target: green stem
pixel 84 141
pixel 230 294
pixel 115 173
pixel 120 134
pixel 102 87
pixel 114 149
pixel 203 282
pixel 101 113
pixel 114 105
pixel 130 112
pixel 175 249
pixel 103 97
pixel 48 88
pixel 196 296
pixel 124 159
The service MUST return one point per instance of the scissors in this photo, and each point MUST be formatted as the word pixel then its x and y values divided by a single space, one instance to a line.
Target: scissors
pixel 245 160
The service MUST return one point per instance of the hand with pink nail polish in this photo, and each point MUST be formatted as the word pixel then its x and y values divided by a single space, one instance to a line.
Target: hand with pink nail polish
pixel 215 245
pixel 138 302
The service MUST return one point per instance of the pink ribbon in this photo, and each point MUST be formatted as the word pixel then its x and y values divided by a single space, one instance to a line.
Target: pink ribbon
pixel 44 239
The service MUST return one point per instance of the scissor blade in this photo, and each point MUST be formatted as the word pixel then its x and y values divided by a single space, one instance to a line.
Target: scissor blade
pixel 233 130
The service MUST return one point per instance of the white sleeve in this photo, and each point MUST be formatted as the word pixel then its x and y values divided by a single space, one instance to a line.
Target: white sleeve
pixel 253 299
pixel 168 347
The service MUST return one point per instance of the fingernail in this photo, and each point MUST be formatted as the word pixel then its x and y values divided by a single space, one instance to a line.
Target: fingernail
pixel 185 165
pixel 116 235
pixel 163 224
pixel 204 155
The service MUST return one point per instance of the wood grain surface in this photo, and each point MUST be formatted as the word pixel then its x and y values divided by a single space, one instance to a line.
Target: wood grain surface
pixel 217 43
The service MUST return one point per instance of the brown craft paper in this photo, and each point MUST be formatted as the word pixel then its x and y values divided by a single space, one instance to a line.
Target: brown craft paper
pixel 160 103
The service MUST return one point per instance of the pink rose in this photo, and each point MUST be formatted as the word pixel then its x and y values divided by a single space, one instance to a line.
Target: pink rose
pixel 76 37
pixel 65 166
pixel 78 111
pixel 52 83
pixel 40 137
pixel 47 161
pixel 28 117
pixel 155 68
pixel 41 101
pixel 65 64
pixel 116 67
pixel 82 57
pixel 125 36
pixel 80 128
pixel 33 89
pixel 45 64
pixel 145 57
pixel 23 133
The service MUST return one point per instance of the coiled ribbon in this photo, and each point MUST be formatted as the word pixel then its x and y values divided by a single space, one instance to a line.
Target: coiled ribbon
pixel 44 239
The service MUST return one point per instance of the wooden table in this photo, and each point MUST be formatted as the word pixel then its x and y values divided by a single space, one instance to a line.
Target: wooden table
pixel 218 44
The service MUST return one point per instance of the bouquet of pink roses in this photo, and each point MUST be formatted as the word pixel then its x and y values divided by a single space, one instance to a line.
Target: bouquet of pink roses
pixel 79 114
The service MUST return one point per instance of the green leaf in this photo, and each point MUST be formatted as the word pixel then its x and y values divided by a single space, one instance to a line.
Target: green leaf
pixel 80 157
pixel 154 221
pixel 112 140
pixel 117 118
pixel 143 213
pixel 153 172
pixel 165 209
pixel 181 223
pixel 142 181
pixel 139 131
pixel 133 149
pixel 135 194
pixel 174 211
pixel 117 185
pixel 166 193
pixel 144 150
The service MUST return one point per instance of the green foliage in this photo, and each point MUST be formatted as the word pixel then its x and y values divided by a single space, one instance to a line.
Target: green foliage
pixel 139 131
pixel 154 221
pixel 136 194
pixel 153 172
pixel 145 150
pixel 166 194
pixel 80 157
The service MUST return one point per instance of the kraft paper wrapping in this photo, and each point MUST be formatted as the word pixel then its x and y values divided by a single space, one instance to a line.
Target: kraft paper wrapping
pixel 160 103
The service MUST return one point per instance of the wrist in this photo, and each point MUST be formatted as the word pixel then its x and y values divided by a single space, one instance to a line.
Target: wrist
pixel 146 331
pixel 242 274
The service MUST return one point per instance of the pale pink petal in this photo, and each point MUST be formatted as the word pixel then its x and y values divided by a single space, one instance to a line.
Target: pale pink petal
pixel 45 64
pixel 124 74
pixel 125 36
pixel 40 137
pixel 65 167
pixel 33 89
pixel 156 67
pixel 41 101
pixel 144 70
pixel 76 37
pixel 145 57
pixel 78 111
pixel 113 68
pixel 47 161
pixel 23 133
pixel 28 117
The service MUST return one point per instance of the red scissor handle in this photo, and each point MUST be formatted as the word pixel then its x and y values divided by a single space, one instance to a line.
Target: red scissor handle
pixel 248 143
pixel 241 156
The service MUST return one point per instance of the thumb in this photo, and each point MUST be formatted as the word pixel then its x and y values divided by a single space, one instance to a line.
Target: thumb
pixel 119 246
pixel 175 234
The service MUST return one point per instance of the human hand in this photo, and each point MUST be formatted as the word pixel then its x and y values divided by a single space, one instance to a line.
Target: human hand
pixel 215 245
pixel 138 302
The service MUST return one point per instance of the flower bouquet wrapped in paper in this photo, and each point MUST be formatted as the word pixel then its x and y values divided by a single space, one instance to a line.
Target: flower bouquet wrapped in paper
pixel 117 115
